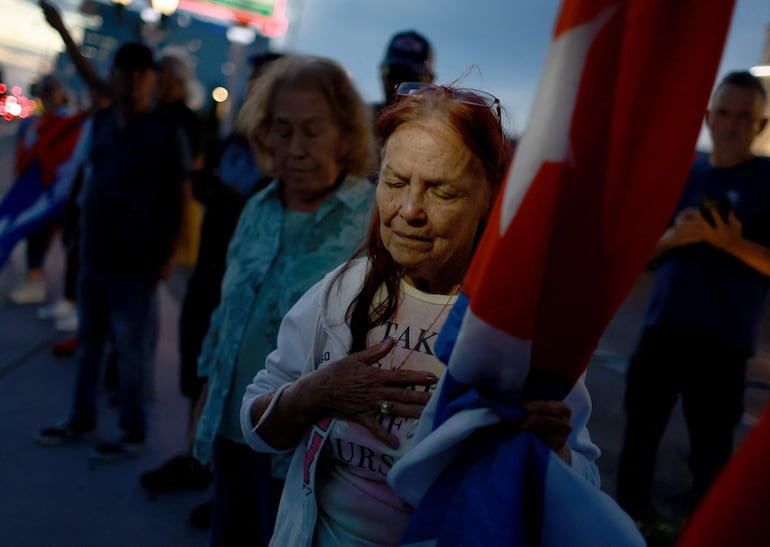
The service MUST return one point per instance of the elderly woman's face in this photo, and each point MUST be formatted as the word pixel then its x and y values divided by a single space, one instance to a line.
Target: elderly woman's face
pixel 307 147
pixel 430 199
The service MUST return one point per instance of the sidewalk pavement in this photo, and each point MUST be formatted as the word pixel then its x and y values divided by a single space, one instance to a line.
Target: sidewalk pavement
pixel 51 495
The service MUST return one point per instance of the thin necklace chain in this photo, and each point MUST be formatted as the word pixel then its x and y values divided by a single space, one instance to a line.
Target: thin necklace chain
pixel 452 293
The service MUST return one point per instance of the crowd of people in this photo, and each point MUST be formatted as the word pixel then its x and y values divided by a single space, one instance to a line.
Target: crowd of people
pixel 334 243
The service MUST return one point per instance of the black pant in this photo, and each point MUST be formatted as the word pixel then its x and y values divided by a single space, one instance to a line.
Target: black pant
pixel 710 377
pixel 70 239
pixel 38 242
pixel 245 497
pixel 70 236
pixel 201 299
pixel 204 286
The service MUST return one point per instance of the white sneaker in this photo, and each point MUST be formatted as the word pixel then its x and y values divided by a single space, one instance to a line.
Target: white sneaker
pixel 55 310
pixel 30 292
pixel 67 323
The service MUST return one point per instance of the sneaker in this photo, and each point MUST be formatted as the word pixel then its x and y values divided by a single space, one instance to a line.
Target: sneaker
pixel 65 433
pixel 67 348
pixel 55 310
pixel 124 448
pixel 30 292
pixel 200 517
pixel 178 473
pixel 68 322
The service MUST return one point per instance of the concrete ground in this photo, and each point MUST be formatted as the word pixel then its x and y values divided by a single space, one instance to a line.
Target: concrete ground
pixel 52 496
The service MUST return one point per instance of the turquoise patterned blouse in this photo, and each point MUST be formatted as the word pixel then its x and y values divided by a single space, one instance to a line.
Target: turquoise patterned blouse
pixel 329 236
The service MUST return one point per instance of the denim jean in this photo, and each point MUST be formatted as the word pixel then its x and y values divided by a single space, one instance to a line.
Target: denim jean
pixel 123 310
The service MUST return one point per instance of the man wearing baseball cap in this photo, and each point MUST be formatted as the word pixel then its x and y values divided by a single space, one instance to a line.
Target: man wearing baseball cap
pixel 133 76
pixel 408 58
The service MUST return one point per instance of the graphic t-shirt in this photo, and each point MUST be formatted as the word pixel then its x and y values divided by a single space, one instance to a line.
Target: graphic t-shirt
pixel 355 504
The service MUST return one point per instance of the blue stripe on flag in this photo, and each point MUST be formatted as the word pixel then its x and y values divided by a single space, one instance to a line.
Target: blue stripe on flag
pixel 27 206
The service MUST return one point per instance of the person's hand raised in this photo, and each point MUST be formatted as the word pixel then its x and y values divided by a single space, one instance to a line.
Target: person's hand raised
pixel 52 15
pixel 355 390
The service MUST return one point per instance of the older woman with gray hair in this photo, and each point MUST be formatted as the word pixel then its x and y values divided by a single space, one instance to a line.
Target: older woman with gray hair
pixel 311 131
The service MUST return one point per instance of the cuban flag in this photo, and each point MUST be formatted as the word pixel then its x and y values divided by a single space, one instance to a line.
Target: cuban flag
pixel 39 194
pixel 596 178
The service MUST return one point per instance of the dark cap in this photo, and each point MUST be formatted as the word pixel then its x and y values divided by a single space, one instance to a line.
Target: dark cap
pixel 411 50
pixel 259 60
pixel 133 55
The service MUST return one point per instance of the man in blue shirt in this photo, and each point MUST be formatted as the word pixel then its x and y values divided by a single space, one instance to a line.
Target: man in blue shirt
pixel 706 304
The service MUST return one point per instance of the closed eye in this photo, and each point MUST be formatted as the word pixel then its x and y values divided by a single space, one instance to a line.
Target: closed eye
pixel 314 130
pixel 442 191
pixel 393 183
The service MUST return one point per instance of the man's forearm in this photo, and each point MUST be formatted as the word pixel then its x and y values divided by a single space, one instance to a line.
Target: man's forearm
pixel 85 68
pixel 752 254
pixel 666 243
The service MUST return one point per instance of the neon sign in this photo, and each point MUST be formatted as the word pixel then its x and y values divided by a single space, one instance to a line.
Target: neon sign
pixel 268 16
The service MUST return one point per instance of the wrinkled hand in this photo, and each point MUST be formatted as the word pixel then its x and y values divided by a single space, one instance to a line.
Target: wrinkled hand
pixel 52 15
pixel 354 390
pixel 551 421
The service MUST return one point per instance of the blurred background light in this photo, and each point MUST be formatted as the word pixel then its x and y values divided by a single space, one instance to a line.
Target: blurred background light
pixel 241 34
pixel 219 94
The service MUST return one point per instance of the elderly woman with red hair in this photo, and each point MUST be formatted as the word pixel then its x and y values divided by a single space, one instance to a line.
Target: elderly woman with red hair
pixel 354 364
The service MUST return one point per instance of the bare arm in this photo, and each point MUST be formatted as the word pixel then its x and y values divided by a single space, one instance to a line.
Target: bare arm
pixel 690 227
pixel 728 236
pixel 684 231
pixel 85 68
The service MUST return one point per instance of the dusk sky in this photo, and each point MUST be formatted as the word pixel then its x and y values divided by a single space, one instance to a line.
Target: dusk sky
pixel 496 45
pixel 502 42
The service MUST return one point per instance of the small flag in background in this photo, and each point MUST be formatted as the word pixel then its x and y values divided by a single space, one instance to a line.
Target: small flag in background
pixel 596 178
pixel 40 192
pixel 28 206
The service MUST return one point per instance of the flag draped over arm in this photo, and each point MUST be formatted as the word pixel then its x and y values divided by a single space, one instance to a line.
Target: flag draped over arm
pixel 596 177
pixel 47 171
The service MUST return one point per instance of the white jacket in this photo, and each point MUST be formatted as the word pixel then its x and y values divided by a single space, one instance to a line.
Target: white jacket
pixel 314 332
